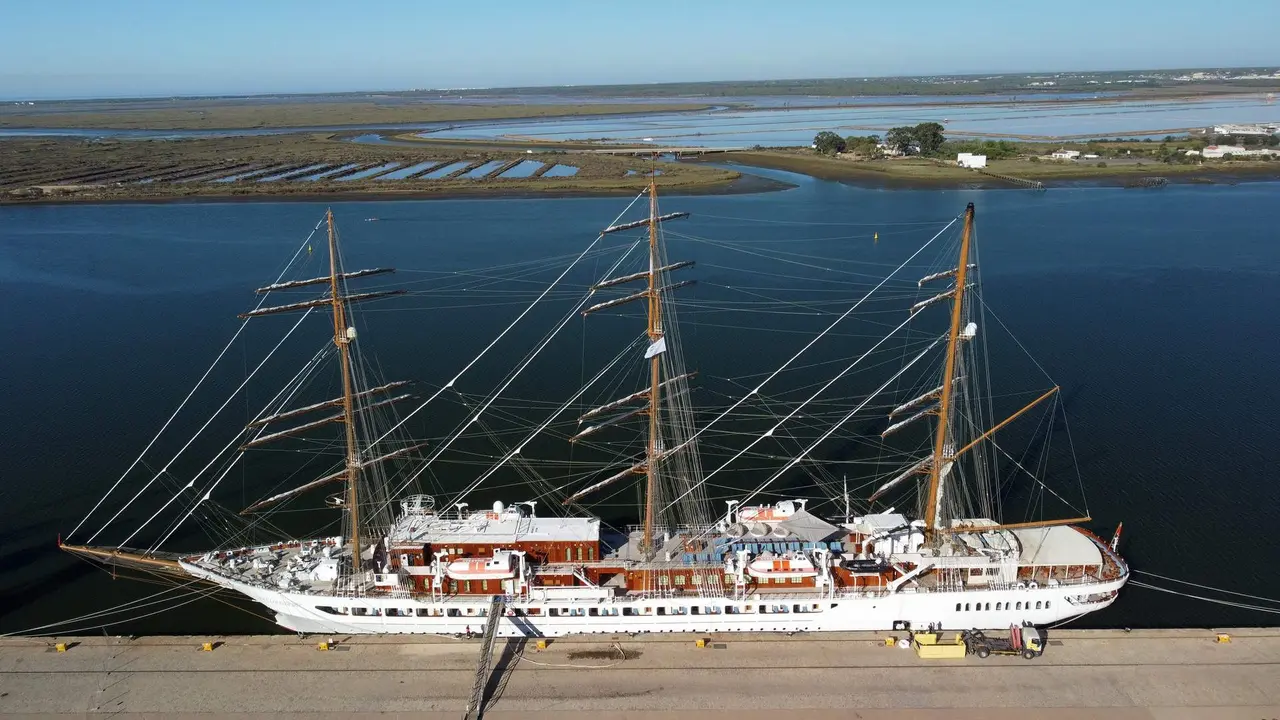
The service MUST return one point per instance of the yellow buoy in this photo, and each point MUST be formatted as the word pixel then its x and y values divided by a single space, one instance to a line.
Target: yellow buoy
pixel 877 237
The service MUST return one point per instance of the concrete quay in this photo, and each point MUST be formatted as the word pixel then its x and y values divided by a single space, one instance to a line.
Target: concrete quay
pixel 1160 674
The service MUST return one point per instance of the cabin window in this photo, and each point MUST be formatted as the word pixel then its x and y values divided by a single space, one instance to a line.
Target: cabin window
pixel 697 610
pixel 423 612
pixel 568 554
pixel 975 572
pixel 1046 604
pixel 1019 605
pixel 331 610
pixel 468 585
pixel 554 612
pixel 593 612
pixel 591 554
pixel 696 579
pixel 999 606
pixel 957 607
pixel 453 586
pixel 484 585
pixel 629 612
pixel 1038 605
pixel 662 611
pixel 453 612
pixel 664 580
pixel 579 553
pixel 679 579
pixel 795 581
pixel 987 606
pixel 966 607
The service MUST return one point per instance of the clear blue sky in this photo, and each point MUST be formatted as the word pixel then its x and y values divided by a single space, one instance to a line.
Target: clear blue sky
pixel 83 48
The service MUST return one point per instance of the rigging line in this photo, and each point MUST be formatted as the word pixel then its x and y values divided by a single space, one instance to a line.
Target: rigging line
pixel 1229 603
pixel 289 387
pixel 810 344
pixel 796 460
pixel 565 405
pixel 508 329
pixel 511 378
pixel 208 422
pixel 122 607
pixel 1205 587
pixel 199 595
pixel 769 433
pixel 199 382
pixel 802 222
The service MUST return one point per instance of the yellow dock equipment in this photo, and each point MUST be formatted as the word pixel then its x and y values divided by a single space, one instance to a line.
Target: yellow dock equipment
pixel 931 646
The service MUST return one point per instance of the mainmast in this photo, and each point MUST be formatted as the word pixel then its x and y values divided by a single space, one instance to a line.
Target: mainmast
pixel 655 396
pixel 655 450
pixel 932 513
pixel 342 337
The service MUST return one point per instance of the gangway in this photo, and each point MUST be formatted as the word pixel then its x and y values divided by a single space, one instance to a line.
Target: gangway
pixel 497 609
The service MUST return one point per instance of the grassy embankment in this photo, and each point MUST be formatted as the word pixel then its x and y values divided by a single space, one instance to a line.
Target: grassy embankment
pixel 201 114
pixel 921 172
pixel 65 169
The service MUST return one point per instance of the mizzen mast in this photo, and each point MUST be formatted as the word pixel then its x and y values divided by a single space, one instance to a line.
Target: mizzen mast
pixel 933 514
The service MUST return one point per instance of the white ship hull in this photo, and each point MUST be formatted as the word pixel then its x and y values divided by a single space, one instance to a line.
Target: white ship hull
pixel 314 613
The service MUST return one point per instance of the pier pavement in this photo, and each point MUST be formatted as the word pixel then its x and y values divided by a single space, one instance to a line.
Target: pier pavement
pixel 1159 674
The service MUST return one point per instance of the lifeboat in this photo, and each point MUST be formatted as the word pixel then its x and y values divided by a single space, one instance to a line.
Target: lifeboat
pixel 763 513
pixel 498 567
pixel 792 565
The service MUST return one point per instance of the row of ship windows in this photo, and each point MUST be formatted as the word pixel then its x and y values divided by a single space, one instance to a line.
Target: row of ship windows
pixel 573 612
pixel 966 607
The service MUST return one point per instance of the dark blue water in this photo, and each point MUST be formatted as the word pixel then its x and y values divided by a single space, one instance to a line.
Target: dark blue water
pixel 1151 308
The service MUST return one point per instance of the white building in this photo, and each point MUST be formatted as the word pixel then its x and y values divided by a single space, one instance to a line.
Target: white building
pixel 969 160
pixel 1065 154
pixel 1255 130
pixel 1218 151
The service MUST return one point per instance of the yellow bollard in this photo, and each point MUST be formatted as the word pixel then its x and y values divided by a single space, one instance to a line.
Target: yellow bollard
pixel 701 642
pixel 541 645
pixel 207 647
pixel 60 647
pixel 1223 638
pixel 890 641
pixel 322 646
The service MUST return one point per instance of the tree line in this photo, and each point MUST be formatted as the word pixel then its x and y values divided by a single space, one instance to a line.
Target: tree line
pixel 923 139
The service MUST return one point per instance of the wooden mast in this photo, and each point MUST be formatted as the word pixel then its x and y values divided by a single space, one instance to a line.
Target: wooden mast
pixel 342 338
pixel 932 514
pixel 655 334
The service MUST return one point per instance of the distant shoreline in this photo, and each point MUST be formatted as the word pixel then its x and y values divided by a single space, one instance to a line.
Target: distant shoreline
pixel 900 175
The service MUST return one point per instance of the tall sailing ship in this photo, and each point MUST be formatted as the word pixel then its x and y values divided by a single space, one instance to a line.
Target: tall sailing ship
pixel 407 562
